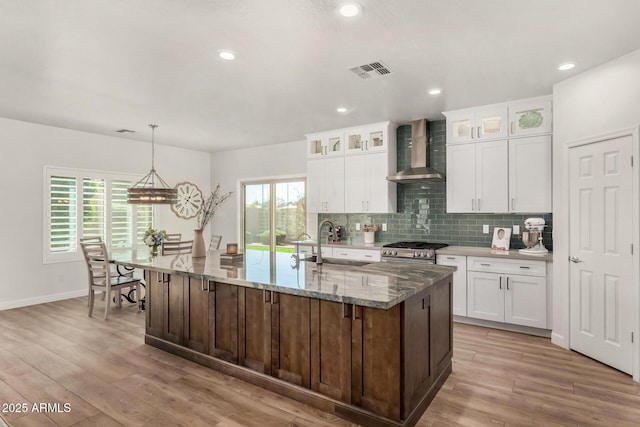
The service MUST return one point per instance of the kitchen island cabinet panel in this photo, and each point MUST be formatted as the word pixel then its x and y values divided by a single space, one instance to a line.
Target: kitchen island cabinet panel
pixel 223 301
pixel 417 328
pixel 196 315
pixel 255 329
pixel 173 299
pixel 331 349
pixel 154 303
pixel 381 355
pixel 290 339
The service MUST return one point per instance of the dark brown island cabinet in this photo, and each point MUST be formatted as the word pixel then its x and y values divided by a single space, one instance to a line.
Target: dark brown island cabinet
pixel 371 366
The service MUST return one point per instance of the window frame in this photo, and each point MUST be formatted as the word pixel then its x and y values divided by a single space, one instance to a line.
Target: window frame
pixel 50 257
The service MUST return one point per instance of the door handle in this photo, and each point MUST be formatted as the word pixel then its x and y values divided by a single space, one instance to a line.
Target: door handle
pixel 472 205
pixel 478 133
pixel 574 259
pixel 479 205
pixel 500 282
pixel 513 203
pixel 507 283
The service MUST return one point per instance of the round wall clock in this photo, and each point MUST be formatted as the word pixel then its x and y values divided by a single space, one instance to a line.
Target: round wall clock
pixel 189 200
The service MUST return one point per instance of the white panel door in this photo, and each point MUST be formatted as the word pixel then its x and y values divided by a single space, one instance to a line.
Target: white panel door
pixel 459 281
pixel 492 177
pixel 530 175
pixel 525 301
pixel 600 230
pixel 485 296
pixel 461 175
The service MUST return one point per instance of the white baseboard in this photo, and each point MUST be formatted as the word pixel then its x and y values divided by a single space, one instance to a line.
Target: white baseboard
pixel 504 326
pixel 6 305
pixel 559 340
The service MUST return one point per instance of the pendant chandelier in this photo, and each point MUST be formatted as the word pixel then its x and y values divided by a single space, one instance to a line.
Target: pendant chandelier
pixel 152 189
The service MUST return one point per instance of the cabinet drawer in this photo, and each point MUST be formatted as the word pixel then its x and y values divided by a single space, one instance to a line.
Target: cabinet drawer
pixel 357 254
pixel 507 266
pixel 456 260
pixel 306 249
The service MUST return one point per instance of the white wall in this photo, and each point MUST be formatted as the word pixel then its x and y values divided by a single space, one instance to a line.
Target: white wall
pixel 230 168
pixel 24 149
pixel 602 100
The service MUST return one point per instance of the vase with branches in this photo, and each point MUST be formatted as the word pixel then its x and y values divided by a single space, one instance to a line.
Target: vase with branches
pixel 210 206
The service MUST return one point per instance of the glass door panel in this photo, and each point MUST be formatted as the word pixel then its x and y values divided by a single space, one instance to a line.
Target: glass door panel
pixel 257 218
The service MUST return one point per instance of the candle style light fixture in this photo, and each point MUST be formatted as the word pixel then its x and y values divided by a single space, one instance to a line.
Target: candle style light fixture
pixel 152 189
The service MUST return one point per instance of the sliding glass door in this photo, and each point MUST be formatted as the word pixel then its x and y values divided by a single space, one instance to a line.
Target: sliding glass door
pixel 274 214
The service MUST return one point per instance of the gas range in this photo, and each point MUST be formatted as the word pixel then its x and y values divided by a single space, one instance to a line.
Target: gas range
pixel 416 250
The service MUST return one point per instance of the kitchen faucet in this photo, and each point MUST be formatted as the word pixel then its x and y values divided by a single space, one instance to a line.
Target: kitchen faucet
pixel 332 231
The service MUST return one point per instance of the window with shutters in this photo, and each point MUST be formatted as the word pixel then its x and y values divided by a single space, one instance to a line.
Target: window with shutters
pixel 82 203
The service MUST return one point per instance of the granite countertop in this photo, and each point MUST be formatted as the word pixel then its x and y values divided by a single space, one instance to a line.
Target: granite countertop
pixel 488 252
pixel 379 284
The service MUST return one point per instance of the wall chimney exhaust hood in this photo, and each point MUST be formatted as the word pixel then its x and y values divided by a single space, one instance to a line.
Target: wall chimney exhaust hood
pixel 419 170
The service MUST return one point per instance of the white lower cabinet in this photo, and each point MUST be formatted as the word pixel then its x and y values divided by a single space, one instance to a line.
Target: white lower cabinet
pixel 459 281
pixel 495 293
pixel 353 254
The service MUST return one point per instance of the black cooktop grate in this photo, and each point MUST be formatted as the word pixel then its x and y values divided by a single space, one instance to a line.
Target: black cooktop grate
pixel 416 245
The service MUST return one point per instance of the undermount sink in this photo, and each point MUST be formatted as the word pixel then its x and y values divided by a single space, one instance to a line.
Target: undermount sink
pixel 338 261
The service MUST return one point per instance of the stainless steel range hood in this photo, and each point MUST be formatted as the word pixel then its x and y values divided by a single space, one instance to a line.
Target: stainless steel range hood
pixel 419 170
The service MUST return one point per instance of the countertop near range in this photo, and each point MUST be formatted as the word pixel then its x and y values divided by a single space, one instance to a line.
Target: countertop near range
pixel 488 252
pixel 355 243
pixel 378 285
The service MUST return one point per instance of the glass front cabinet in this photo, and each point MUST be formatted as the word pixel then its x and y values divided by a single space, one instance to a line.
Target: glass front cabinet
pixel 325 144
pixel 530 118
pixel 367 139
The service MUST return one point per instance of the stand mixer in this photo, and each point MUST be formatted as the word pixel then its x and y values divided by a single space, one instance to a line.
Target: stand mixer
pixel 532 238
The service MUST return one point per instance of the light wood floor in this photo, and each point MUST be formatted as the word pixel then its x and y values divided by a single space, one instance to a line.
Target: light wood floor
pixel 53 353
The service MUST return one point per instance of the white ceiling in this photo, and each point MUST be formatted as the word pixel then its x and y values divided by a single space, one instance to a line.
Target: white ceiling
pixel 102 65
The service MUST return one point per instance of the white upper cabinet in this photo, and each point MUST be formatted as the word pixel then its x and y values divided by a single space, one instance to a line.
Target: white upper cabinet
pixel 478 177
pixel 530 118
pixel 530 187
pixel 477 125
pixel 370 138
pixel 325 185
pixel 325 144
pixel 366 188
pixel 499 158
pixel 361 177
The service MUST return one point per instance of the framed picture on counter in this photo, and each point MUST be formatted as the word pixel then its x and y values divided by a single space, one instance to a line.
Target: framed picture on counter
pixel 501 239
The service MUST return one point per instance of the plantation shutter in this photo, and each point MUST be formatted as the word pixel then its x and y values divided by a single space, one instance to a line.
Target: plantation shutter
pixel 121 215
pixel 63 233
pixel 93 208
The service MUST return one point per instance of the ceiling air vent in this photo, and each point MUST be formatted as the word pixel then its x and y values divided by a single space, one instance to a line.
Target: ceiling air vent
pixel 371 71
pixel 125 131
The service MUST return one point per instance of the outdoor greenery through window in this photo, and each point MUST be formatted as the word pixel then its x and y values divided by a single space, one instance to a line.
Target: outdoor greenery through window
pixel 274 214
pixel 83 204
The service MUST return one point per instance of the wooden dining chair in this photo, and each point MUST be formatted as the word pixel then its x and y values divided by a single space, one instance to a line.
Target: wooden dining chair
pixel 101 278
pixel 215 242
pixel 174 237
pixel 176 247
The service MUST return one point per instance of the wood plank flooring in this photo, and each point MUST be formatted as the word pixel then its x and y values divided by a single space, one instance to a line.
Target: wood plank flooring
pixel 53 353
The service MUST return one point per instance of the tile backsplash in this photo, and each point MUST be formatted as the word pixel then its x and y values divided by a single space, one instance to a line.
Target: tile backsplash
pixel 422 207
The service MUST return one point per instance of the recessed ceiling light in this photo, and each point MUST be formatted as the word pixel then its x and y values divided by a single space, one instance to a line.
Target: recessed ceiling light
pixel 566 66
pixel 341 110
pixel 349 10
pixel 435 91
pixel 227 55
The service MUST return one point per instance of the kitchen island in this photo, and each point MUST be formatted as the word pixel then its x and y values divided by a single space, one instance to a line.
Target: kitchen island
pixel 370 343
